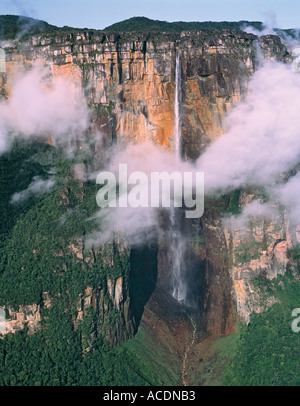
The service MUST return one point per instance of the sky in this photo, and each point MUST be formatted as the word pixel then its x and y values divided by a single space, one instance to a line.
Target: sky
pixel 99 14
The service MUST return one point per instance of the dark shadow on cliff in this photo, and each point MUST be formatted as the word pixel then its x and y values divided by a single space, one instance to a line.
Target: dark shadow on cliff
pixel 143 277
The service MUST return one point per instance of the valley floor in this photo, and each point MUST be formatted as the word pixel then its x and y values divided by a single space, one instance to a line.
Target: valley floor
pixel 170 343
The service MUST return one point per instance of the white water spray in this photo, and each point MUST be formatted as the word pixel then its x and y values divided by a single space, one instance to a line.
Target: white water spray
pixel 177 245
pixel 177 132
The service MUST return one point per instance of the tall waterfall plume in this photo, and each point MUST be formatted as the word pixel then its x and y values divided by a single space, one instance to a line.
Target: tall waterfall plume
pixel 177 131
pixel 177 245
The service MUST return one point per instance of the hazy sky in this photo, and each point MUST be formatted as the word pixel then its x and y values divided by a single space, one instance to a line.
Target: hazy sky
pixel 101 13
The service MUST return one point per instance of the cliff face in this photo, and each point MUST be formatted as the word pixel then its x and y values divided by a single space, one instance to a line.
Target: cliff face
pixel 129 81
pixel 131 78
pixel 106 306
pixel 258 249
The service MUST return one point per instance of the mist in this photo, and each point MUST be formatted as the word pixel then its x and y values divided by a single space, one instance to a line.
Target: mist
pixel 255 210
pixel 139 224
pixel 270 22
pixel 43 106
pixel 38 186
pixel 260 146
pixel 290 38
pixel 262 140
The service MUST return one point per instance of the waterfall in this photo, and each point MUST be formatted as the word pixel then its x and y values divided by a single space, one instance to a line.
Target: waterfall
pixel 177 132
pixel 177 245
pixel 177 248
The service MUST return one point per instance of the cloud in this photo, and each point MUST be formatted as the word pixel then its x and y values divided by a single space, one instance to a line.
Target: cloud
pixel 270 22
pixel 261 143
pixel 44 106
pixel 255 210
pixel 289 195
pixel 37 187
pixel 262 140
pixel 261 146
pixel 139 224
pixel 290 39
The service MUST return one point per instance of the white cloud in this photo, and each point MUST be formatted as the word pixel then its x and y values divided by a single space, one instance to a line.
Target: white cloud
pixel 43 106
pixel 263 139
pixel 37 187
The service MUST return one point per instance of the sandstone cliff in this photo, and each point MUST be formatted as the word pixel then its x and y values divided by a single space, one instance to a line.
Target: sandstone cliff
pixel 130 78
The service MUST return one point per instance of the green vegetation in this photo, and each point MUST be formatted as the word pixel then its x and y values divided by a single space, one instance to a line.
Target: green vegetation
pixel 226 204
pixel 294 252
pixel 265 352
pixel 144 24
pixel 157 362
pixel 40 241
pixel 12 26
pixel 53 356
pixel 41 251
pixel 247 251
pixel 40 225
pixel 268 351
pixel 234 206
pixel 210 368
pixel 20 27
